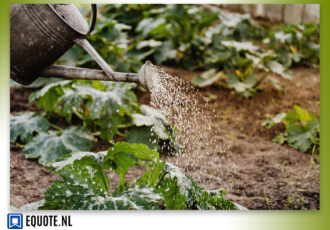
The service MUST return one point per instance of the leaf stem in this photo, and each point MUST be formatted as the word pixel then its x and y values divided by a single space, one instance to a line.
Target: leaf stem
pixel 78 114
pixel 96 133
pixel 161 177
pixel 56 127
pixel 105 182
pixel 260 80
pixel 121 134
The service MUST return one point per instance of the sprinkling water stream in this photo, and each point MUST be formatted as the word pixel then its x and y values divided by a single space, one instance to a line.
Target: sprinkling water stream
pixel 193 118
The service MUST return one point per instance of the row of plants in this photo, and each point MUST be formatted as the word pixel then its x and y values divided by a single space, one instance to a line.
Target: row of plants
pixel 230 46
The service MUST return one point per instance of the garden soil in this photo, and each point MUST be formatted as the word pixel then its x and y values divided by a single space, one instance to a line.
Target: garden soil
pixel 255 172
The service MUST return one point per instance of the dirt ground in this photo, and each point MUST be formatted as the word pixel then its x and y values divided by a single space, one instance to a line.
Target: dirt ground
pixel 255 172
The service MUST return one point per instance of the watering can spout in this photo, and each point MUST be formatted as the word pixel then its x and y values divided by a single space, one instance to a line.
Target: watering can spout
pixel 67 72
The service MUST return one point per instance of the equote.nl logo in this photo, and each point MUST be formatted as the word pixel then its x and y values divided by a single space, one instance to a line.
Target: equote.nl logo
pixel 15 221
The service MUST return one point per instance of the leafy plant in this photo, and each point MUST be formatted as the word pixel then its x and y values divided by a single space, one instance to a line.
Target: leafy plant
pixel 44 144
pixel 207 78
pixel 48 147
pixel 295 44
pixel 23 126
pixel 302 129
pixel 108 107
pixel 153 129
pixel 163 186
pixel 244 59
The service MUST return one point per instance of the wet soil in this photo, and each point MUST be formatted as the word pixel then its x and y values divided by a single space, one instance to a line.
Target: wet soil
pixel 256 172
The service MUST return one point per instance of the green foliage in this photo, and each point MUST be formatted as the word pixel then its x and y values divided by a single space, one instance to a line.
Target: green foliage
pixel 198 38
pixel 85 185
pixel 48 147
pixel 23 126
pixel 153 129
pixel 122 156
pixel 302 129
pixel 295 44
pixel 207 78
pixel 107 107
pixel 244 87
pixel 102 105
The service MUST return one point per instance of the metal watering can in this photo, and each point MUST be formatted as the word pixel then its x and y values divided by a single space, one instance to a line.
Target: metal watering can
pixel 42 33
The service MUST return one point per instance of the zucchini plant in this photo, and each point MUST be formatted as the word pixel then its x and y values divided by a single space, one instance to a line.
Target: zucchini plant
pixel 86 186
pixel 302 129
pixel 108 108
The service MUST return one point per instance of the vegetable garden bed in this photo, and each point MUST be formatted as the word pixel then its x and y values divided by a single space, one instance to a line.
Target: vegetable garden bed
pixel 255 172
pixel 259 83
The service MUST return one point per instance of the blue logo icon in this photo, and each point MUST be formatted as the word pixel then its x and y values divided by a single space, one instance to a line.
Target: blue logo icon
pixel 15 221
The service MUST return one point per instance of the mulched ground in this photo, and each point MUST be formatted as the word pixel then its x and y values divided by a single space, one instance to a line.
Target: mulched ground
pixel 256 172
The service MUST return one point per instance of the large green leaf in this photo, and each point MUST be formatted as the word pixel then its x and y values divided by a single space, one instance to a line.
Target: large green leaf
pixel 269 122
pixel 156 119
pixel 148 24
pixel 48 147
pixel 23 126
pixel 187 189
pixel 302 128
pixel 302 138
pixel 207 78
pixel 280 69
pixel 143 135
pixel 174 199
pixel 48 95
pixel 246 88
pixel 123 155
pixel 152 126
pixel 86 187
pixel 106 105
pixel 240 46
pixel 165 52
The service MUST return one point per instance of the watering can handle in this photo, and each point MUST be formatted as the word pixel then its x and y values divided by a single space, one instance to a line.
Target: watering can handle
pixel 93 18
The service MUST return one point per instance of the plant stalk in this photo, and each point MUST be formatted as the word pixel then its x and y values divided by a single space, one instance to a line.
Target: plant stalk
pixel 261 80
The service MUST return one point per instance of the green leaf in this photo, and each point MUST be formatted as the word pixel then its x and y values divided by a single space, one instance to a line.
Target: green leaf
pixel 165 52
pixel 280 139
pixel 187 186
pixel 277 84
pixel 148 43
pixel 303 138
pixel 191 191
pixel 48 96
pixel 48 147
pixel 303 115
pixel 153 174
pixel 86 187
pixel 107 105
pixel 160 129
pixel 122 156
pixel 245 89
pixel 171 190
pixel 269 122
pixel 148 24
pixel 143 135
pixel 154 118
pixel 207 78
pixel 279 69
pixel 25 125
pixel 239 46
